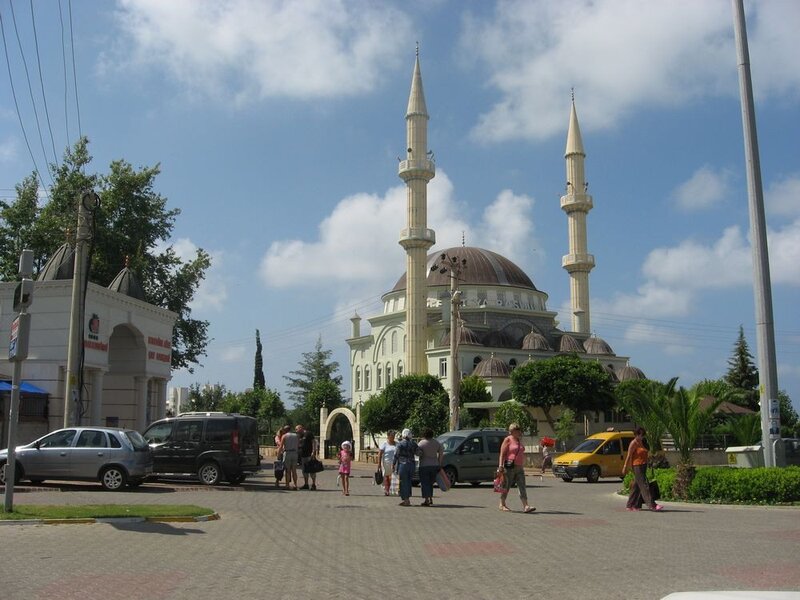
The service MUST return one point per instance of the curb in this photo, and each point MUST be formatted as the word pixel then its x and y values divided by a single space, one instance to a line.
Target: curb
pixel 111 520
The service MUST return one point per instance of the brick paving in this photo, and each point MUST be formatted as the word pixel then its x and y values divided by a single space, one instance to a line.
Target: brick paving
pixel 270 543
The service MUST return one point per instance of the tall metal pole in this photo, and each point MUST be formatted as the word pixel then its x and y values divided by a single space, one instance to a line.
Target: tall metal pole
pixel 89 202
pixel 17 352
pixel 455 370
pixel 762 289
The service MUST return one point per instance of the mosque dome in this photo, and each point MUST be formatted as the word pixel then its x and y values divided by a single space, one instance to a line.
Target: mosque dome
pixel 535 341
pixel 126 283
pixel 596 345
pixel 467 338
pixel 569 344
pixel 484 267
pixel 493 367
pixel 628 373
pixel 60 266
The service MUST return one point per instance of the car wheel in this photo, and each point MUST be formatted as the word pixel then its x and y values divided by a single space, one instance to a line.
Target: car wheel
pixel 209 473
pixel 451 475
pixel 593 474
pixel 566 479
pixel 113 478
pixel 474 483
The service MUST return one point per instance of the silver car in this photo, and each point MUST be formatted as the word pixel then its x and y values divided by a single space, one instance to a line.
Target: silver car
pixel 115 457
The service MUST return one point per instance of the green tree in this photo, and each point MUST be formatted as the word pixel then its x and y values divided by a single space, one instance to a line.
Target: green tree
pixel 315 365
pixel 742 373
pixel 512 411
pixel 375 416
pixel 790 422
pixel 745 429
pixel 132 225
pixel 324 392
pixel 565 427
pixel 642 400
pixel 208 397
pixel 258 378
pixel 408 401
pixel 270 411
pixel 564 380
pixel 472 389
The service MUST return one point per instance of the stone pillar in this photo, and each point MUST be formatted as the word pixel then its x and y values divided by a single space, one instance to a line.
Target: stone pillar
pixel 97 398
pixel 161 398
pixel 140 393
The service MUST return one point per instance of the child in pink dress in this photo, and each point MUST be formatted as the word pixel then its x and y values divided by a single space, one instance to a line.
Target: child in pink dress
pixel 345 460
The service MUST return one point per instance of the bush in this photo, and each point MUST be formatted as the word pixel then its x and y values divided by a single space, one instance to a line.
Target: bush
pixel 726 485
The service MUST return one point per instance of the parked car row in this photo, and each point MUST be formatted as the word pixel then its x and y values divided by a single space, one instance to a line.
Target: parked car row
pixel 213 446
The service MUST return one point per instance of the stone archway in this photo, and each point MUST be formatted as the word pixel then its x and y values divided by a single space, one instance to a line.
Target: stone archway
pixel 326 423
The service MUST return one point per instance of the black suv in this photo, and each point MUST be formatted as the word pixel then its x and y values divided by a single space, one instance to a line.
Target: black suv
pixel 214 445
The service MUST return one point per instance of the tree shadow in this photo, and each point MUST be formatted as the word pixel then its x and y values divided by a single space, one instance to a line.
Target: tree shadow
pixel 154 527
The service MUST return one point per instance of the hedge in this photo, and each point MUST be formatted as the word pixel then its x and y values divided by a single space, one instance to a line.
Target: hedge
pixel 727 485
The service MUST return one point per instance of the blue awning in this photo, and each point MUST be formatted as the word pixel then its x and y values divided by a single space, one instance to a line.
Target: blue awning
pixel 25 388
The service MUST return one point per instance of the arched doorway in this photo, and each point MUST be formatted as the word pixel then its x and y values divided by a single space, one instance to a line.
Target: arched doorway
pixel 328 428
pixel 126 397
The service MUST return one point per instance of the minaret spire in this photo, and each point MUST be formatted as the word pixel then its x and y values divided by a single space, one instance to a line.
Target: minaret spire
pixel 416 170
pixel 577 203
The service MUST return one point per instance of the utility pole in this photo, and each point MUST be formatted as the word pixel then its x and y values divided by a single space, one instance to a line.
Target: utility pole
pixel 762 287
pixel 88 204
pixel 455 267
pixel 18 352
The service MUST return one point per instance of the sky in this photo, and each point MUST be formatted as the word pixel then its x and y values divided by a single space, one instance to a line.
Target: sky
pixel 277 126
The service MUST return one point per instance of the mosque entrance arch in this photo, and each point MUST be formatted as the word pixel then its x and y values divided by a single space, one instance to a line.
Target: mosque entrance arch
pixel 126 395
pixel 326 427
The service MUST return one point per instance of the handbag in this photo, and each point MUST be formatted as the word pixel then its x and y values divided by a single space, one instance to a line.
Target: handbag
pixel 655 491
pixel 394 485
pixel 378 477
pixel 278 469
pixel 443 481
pixel 315 465
pixel 500 483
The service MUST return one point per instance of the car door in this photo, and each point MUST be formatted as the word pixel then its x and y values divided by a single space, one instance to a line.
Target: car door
pixel 493 443
pixel 49 457
pixel 89 454
pixel 610 458
pixel 471 458
pixel 186 445
pixel 159 436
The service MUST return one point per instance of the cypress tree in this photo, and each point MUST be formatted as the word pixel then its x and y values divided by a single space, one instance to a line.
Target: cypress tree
pixel 259 383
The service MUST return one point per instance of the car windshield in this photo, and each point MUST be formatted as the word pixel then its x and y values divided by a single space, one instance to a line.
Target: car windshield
pixel 587 446
pixel 136 439
pixel 450 442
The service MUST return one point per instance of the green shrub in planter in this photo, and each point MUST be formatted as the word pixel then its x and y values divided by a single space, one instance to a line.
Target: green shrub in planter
pixel 750 486
pixel 664 477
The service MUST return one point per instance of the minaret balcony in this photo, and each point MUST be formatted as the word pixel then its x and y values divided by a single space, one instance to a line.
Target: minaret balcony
pixel 576 202
pixel 420 235
pixel 577 262
pixel 416 168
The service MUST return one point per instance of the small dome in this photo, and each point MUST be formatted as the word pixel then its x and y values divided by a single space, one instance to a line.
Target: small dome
pixel 569 344
pixel 494 367
pixel 60 266
pixel 535 341
pixel 468 338
pixel 126 283
pixel 628 373
pixel 596 345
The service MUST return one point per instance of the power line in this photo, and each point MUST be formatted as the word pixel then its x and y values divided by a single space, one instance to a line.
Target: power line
pixel 64 65
pixel 30 88
pixel 41 82
pixel 74 74
pixel 16 106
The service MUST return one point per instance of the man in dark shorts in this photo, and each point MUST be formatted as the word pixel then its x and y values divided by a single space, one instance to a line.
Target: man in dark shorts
pixel 308 450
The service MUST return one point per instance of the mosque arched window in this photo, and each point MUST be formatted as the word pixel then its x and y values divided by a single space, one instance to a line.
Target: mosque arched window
pixel 388 373
pixel 394 342
pixel 475 361
pixel 358 378
pixel 512 364
pixel 378 377
pixel 400 368
pixel 367 382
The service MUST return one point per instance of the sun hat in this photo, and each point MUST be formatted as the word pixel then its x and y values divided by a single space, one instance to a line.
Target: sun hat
pixel 346 444
pixel 406 434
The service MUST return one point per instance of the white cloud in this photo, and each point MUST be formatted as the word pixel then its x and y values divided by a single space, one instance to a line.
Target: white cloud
pixel 651 300
pixel 356 240
pixel 243 51
pixel 672 342
pixel 620 55
pixel 782 198
pixel 703 189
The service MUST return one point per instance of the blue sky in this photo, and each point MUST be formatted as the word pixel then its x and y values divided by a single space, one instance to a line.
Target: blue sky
pixel 277 126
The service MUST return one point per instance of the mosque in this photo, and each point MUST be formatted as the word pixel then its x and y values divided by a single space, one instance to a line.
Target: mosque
pixel 502 318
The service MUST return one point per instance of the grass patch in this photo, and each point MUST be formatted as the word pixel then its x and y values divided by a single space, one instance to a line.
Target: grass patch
pixel 101 511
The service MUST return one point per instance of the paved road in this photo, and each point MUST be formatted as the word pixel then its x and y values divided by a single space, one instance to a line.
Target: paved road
pixel 580 543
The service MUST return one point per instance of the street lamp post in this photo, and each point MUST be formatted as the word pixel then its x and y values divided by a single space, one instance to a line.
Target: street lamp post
pixel 455 267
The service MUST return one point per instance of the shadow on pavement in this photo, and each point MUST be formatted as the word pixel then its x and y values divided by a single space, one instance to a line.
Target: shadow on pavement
pixel 160 528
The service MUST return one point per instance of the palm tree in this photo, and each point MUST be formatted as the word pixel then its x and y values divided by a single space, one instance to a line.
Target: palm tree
pixel 685 419
pixel 643 401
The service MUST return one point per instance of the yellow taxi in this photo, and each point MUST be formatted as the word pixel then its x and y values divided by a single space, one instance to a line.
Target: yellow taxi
pixel 599 455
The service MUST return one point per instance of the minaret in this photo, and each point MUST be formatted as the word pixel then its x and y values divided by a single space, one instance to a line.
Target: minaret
pixel 577 204
pixel 417 170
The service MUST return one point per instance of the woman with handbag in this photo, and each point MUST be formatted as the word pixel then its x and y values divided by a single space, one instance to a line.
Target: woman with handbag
pixel 512 466
pixel 405 465
pixel 386 459
pixel 640 487
pixel 278 467
pixel 431 453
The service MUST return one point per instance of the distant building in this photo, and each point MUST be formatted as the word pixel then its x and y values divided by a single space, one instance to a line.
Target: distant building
pixel 177 399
